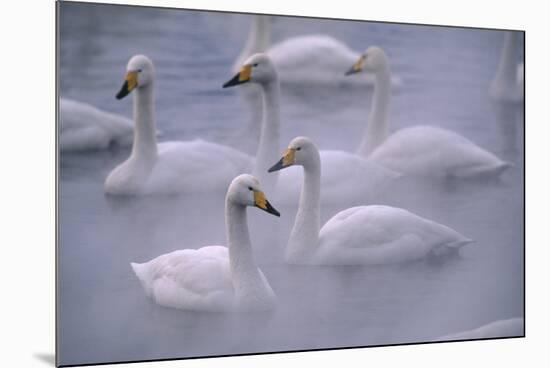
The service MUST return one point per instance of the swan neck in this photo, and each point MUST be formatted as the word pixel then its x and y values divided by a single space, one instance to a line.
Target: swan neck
pixel 145 143
pixel 304 237
pixel 244 273
pixel 506 71
pixel 376 131
pixel 268 146
pixel 259 38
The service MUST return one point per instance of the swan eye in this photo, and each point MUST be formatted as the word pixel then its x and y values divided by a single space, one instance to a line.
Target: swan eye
pixel 139 70
pixel 299 148
pixel 250 188
pixel 255 64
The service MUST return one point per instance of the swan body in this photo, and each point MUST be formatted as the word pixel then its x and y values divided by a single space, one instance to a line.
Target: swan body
pixel 313 59
pixel 364 179
pixel 307 59
pixel 381 235
pixel 430 151
pixel 422 150
pixel 363 235
pixel 174 167
pixel 83 127
pixel 501 328
pixel 171 167
pixel 214 278
pixel 508 83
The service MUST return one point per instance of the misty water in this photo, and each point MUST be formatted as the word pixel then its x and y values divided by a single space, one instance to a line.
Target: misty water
pixel 103 313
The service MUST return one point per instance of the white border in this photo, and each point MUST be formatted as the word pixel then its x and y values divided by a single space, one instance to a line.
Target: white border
pixel 27 167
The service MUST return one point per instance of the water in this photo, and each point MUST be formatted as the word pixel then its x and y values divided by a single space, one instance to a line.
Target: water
pixel 103 312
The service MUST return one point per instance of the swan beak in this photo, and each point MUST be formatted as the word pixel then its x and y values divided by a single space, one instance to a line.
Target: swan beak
pixel 357 67
pixel 241 77
pixel 285 161
pixel 261 202
pixel 130 82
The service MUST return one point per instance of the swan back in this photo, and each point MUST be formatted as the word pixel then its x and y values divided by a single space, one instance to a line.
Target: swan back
pixel 312 51
pixel 193 279
pixel 85 127
pixel 435 152
pixel 382 235
pixel 195 166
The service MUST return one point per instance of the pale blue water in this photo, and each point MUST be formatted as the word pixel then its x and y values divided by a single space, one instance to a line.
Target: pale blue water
pixel 103 312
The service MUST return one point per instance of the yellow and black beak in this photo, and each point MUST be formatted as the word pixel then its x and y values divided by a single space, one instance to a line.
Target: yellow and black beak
pixel 130 82
pixel 241 77
pixel 357 67
pixel 285 161
pixel 261 202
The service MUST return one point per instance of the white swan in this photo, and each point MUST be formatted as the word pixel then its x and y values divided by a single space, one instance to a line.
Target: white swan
pixel 304 63
pixel 362 235
pixel 364 180
pixel 507 85
pixel 260 70
pixel 215 278
pixel 420 150
pixel 500 328
pixel 84 127
pixel 170 167
pixel 307 59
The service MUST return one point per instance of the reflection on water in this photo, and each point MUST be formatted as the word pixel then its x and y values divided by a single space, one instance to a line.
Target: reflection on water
pixel 104 314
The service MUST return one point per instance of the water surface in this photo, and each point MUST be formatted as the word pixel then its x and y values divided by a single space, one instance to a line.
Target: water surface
pixel 103 312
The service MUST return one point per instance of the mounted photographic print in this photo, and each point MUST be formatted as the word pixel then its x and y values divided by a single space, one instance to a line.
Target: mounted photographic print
pixel 234 183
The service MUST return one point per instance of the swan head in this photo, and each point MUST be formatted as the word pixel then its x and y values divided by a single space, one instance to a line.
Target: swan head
pixel 245 190
pixel 374 59
pixel 301 151
pixel 140 73
pixel 256 69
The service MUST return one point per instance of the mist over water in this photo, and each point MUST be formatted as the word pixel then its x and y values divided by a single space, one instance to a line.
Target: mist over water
pixel 104 314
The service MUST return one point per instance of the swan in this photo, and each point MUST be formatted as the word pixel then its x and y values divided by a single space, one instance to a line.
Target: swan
pixel 83 127
pixel 500 328
pixel 420 150
pixel 260 70
pixel 215 278
pixel 507 85
pixel 169 167
pixel 306 59
pixel 303 62
pixel 363 235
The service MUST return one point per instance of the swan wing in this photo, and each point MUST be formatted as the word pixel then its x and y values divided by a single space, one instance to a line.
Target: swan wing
pixel 189 279
pixel 347 174
pixel 431 151
pixel 312 51
pixel 382 234
pixel 85 127
pixel 317 58
pixel 196 166
pixel 345 177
